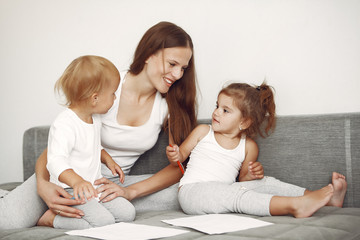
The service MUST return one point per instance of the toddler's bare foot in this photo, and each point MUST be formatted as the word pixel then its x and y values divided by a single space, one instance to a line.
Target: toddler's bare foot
pixel 340 187
pixel 308 204
pixel 46 219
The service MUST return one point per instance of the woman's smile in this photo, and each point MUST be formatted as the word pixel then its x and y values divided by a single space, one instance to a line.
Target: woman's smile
pixel 168 82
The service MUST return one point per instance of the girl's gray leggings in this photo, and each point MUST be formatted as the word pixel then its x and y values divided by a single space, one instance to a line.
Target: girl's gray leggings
pixel 98 214
pixel 249 197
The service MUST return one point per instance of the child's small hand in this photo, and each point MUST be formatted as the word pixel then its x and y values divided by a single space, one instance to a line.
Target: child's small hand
pixel 84 190
pixel 173 154
pixel 115 169
pixel 256 170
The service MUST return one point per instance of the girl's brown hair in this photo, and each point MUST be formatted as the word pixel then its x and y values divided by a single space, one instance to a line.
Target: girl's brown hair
pixel 181 97
pixel 84 76
pixel 256 104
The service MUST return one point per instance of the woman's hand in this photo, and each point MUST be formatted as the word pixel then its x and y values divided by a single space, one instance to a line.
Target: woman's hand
pixel 109 190
pixel 58 200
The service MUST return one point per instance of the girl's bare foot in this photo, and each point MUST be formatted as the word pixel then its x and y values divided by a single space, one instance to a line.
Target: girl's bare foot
pixel 307 205
pixel 46 219
pixel 340 187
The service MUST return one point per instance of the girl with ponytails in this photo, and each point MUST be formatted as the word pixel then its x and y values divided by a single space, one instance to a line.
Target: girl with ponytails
pixel 226 150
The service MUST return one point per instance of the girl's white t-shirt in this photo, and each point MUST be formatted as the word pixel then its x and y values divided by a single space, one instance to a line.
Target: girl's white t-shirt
pixel 125 143
pixel 74 144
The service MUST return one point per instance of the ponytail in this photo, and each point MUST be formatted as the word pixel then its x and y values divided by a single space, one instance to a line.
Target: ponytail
pixel 268 106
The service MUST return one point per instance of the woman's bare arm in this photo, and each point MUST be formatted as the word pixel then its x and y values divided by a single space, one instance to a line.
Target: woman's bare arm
pixel 55 197
pixel 161 180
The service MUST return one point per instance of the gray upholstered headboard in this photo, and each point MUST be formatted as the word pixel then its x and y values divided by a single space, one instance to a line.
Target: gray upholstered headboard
pixel 304 150
pixel 34 143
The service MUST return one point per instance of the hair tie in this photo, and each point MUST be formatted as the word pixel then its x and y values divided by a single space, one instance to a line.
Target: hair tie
pixel 258 88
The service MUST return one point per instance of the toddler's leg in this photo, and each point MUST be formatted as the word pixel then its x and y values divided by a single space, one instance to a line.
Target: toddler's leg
pixel 22 207
pixel 96 215
pixel 273 186
pixel 288 198
pixel 216 197
pixel 303 206
pixel 340 187
pixel 276 187
pixel 70 223
pixel 165 199
pixel 121 209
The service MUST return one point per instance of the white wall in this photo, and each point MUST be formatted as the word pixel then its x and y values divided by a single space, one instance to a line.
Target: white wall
pixel 308 50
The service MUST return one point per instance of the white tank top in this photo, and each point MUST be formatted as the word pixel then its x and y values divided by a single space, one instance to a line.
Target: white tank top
pixel 126 143
pixel 211 162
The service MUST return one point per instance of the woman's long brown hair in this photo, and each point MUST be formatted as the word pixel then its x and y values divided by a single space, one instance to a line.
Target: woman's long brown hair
pixel 181 97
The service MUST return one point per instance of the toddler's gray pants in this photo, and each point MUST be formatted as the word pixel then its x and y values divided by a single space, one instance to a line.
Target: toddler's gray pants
pixel 248 197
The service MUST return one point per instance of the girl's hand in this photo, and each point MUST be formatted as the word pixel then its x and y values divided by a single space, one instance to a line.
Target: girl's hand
pixel 255 170
pixel 110 190
pixel 173 154
pixel 112 165
pixel 115 169
pixel 58 200
pixel 84 190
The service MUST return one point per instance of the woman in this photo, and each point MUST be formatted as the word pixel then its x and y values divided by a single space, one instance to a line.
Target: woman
pixel 162 70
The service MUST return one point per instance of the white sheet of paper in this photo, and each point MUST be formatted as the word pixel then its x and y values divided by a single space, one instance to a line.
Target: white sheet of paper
pixel 127 231
pixel 217 223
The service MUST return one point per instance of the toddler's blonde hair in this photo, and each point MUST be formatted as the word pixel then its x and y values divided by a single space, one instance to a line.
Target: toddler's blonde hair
pixel 85 76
